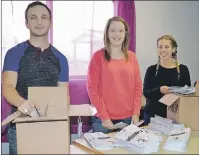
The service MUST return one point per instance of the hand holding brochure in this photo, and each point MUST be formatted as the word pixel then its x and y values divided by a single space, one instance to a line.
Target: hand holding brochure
pixel 101 141
pixel 182 90
pixel 120 125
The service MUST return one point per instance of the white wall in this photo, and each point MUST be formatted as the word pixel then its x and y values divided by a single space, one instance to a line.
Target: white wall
pixel 179 19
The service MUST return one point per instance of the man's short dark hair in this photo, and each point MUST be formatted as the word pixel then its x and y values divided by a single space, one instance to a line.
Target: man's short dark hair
pixel 33 4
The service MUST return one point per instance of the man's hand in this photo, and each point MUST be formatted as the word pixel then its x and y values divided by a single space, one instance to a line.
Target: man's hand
pixel 135 119
pixel 107 124
pixel 164 89
pixel 26 107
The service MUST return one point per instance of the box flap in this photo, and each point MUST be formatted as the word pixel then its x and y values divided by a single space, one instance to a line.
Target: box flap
pixel 51 96
pixel 10 118
pixel 82 110
pixel 197 86
pixel 48 95
pixel 197 93
pixel 39 119
pixel 169 99
pixel 56 99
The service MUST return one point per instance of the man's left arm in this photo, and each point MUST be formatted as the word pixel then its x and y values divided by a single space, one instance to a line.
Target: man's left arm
pixel 64 75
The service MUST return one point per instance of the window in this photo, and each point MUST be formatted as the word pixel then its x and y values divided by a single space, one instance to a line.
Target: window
pixel 78 28
pixel 14 29
pixel 13 24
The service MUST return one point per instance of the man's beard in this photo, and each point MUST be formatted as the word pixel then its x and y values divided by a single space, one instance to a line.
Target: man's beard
pixel 39 34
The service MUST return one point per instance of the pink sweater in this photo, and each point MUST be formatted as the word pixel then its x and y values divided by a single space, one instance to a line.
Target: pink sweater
pixel 115 87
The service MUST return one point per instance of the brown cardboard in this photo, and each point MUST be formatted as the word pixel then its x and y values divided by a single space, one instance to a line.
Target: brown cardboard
pixel 49 134
pixel 11 118
pixel 183 109
pixel 169 99
pixel 197 87
pixel 86 110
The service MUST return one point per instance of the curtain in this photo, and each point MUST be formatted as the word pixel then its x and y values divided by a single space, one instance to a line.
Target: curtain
pixel 126 10
pixel 78 30
pixel 50 6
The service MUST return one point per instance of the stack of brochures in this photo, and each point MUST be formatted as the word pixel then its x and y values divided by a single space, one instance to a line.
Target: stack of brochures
pixel 162 125
pixel 131 137
pixel 182 90
pixel 101 141
pixel 139 140
pixel 177 140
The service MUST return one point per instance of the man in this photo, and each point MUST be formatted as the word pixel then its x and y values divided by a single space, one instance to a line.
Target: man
pixel 32 63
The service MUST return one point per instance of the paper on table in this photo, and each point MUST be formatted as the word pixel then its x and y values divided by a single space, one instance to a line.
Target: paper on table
pixel 76 150
pixel 163 125
pixel 177 140
pixel 101 141
pixel 139 140
pixel 131 137
pixel 120 125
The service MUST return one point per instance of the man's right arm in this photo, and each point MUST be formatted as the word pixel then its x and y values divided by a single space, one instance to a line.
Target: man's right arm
pixel 8 88
pixel 9 78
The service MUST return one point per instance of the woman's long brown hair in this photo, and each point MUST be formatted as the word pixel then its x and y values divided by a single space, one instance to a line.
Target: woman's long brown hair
pixel 125 43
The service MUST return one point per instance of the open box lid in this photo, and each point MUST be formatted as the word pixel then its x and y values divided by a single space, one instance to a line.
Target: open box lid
pixel 57 96
pixel 197 86
pixel 170 98
pixel 53 97
pixel 39 119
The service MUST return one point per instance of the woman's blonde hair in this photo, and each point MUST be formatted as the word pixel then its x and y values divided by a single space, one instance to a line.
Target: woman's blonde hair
pixel 125 43
pixel 174 55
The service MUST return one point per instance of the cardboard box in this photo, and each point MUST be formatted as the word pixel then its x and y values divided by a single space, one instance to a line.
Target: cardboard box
pixel 197 87
pixel 183 109
pixel 49 134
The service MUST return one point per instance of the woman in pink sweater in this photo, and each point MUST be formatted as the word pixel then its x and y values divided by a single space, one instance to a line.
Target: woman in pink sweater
pixel 114 83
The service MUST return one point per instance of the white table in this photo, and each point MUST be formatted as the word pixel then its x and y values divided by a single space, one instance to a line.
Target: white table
pixel 192 147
